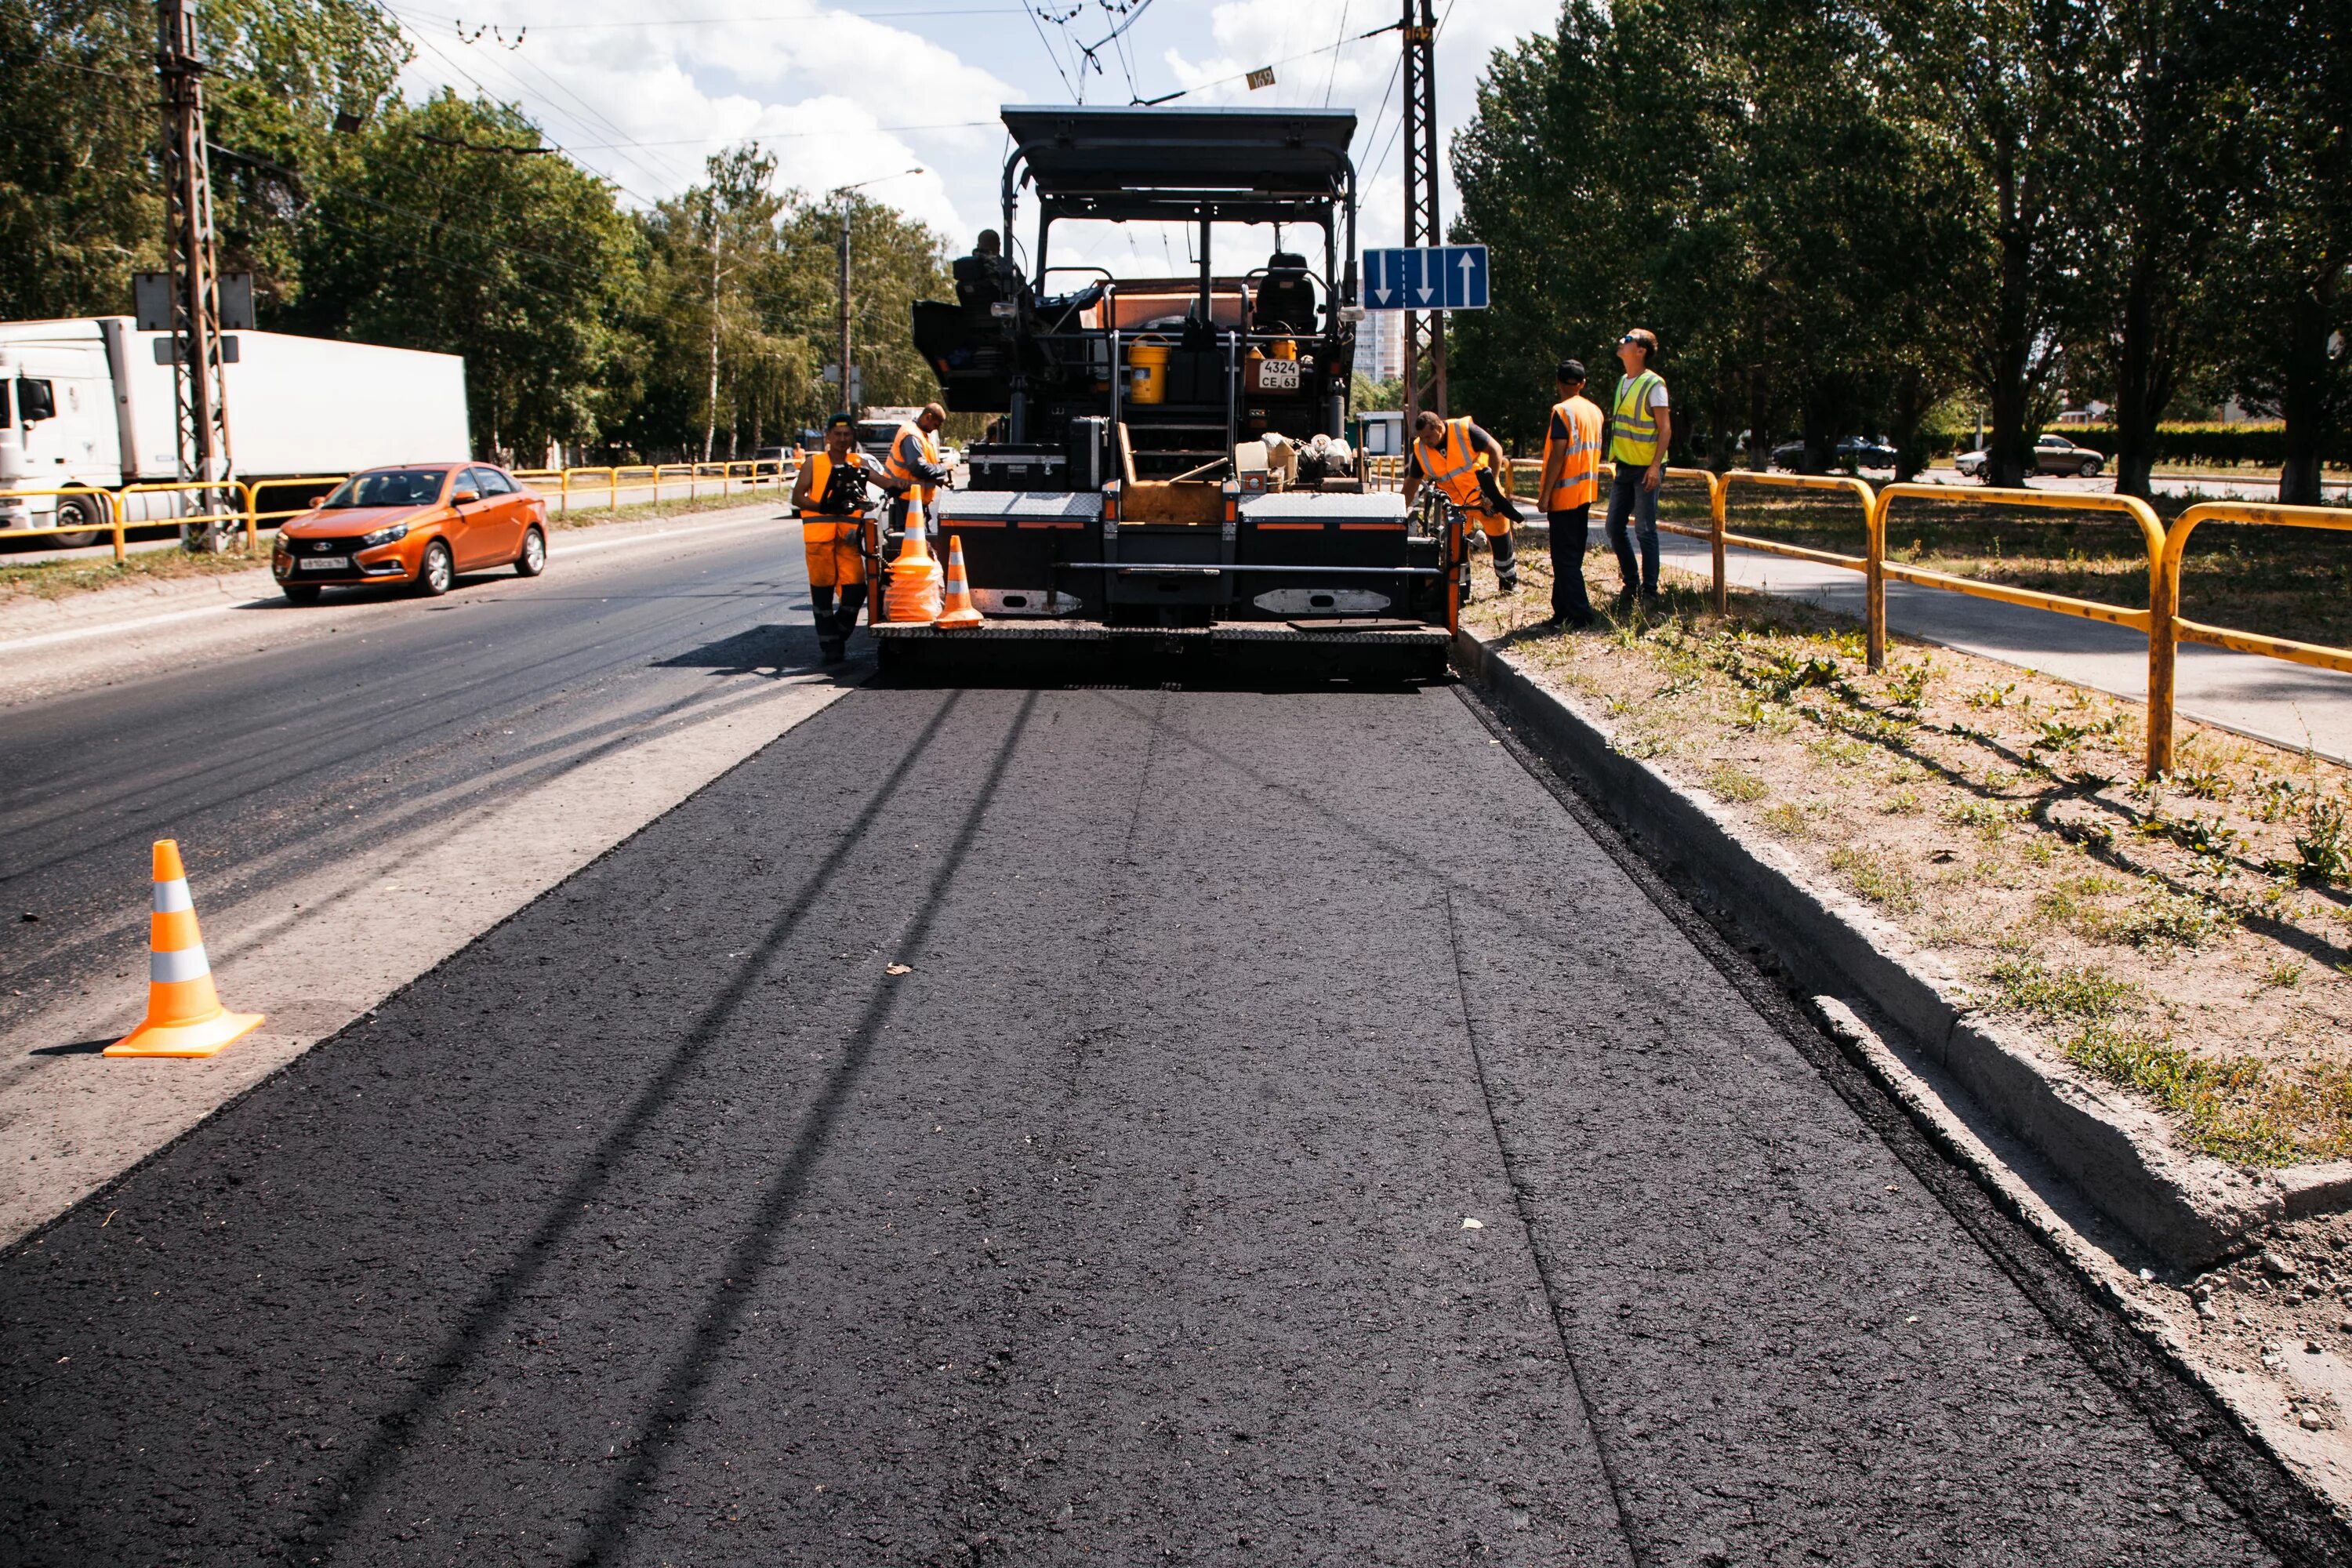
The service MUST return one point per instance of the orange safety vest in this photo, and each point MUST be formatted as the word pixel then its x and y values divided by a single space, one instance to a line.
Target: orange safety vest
pixel 1575 430
pixel 1454 467
pixel 899 465
pixel 820 471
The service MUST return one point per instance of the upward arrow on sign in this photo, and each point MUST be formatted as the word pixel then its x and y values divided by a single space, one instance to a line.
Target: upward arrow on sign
pixel 1469 273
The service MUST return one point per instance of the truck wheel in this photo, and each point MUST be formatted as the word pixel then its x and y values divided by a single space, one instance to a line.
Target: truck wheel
pixel 80 513
pixel 437 572
pixel 533 558
pixel 299 593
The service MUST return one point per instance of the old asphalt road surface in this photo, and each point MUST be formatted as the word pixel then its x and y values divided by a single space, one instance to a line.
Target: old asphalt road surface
pixel 1086 1126
pixel 413 713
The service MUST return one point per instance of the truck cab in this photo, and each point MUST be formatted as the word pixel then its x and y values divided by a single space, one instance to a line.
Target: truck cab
pixel 1130 483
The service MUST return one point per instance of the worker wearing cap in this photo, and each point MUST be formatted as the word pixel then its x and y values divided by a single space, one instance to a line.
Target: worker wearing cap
pixel 1640 430
pixel 1570 484
pixel 830 496
pixel 1471 470
pixel 914 463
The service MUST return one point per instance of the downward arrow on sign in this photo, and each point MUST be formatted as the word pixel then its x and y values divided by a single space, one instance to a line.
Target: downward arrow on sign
pixel 1379 279
pixel 1432 275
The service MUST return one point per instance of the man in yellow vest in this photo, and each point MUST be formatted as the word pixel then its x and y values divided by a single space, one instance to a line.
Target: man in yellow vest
pixel 1471 470
pixel 1639 429
pixel 830 496
pixel 1570 484
pixel 914 464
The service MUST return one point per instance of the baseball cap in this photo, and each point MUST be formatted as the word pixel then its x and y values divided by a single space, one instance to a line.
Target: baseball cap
pixel 1572 370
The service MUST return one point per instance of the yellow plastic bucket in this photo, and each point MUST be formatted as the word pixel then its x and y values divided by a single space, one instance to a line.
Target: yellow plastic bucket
pixel 1147 362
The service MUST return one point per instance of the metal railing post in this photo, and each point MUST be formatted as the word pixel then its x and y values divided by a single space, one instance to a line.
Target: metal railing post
pixel 1874 584
pixel 613 488
pixel 114 506
pixel 1715 508
pixel 2163 655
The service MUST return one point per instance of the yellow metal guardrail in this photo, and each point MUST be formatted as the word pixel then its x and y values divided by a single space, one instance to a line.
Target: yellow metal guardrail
pixel 114 524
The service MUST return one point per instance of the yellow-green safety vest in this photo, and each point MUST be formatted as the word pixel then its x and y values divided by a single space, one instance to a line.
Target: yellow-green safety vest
pixel 1633 423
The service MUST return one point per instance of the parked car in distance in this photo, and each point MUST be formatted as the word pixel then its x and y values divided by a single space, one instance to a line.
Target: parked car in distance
pixel 2051 455
pixel 1853 452
pixel 774 463
pixel 419 523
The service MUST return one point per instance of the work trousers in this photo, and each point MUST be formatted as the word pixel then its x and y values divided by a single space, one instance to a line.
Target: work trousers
pixel 1569 527
pixel 1628 501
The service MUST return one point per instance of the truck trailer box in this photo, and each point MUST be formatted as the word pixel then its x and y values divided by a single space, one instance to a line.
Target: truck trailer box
pixel 304 405
pixel 297 406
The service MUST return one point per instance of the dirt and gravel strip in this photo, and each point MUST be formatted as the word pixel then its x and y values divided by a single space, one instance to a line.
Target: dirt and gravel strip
pixel 1221 1127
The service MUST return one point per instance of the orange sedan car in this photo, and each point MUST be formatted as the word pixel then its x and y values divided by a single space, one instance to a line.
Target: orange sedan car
pixel 421 524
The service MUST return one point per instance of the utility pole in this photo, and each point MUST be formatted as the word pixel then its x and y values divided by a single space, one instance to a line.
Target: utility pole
pixel 1424 335
pixel 199 390
pixel 710 420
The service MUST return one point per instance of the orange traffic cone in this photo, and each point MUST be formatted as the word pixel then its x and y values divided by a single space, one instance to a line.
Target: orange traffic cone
pixel 184 1015
pixel 960 611
pixel 913 594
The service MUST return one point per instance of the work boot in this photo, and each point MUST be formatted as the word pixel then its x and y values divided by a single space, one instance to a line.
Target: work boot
pixel 852 605
pixel 830 650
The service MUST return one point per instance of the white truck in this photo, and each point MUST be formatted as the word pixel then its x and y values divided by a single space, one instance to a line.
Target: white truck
pixel 86 405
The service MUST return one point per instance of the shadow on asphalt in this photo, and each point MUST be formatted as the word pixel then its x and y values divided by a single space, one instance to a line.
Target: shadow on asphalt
pixel 480 1323
pixel 79 1049
pixel 758 650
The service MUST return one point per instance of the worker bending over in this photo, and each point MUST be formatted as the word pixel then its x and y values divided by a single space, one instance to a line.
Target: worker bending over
pixel 830 496
pixel 1570 484
pixel 1471 470
pixel 914 465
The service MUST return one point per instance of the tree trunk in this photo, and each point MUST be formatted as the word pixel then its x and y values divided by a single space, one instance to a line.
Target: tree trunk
pixel 1759 418
pixel 2143 380
pixel 2013 347
pixel 710 421
pixel 2303 399
pixel 1910 409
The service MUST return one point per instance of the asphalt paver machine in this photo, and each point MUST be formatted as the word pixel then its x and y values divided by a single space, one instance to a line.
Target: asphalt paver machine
pixel 1120 501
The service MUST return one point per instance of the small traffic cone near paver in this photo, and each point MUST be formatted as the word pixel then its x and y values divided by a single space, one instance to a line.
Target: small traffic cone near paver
pixel 184 1015
pixel 913 596
pixel 960 611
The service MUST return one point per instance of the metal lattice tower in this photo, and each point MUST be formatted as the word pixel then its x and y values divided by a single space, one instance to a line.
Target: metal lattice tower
pixel 1424 334
pixel 199 388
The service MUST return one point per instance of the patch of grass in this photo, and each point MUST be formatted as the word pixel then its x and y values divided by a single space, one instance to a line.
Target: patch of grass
pixel 57 579
pixel 2166 918
pixel 2227 1107
pixel 1876 877
pixel 2204 783
pixel 2324 851
pixel 1902 802
pixel 2090 994
pixel 1986 817
pixel 1727 782
pixel 2075 903
pixel 1787 820
pixel 2286 974
pixel 1838 751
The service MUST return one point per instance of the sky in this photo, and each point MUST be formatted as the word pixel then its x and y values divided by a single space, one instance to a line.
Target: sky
pixel 870 90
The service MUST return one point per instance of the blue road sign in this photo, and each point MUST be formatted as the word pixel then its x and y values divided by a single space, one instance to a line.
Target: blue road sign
pixel 1428 277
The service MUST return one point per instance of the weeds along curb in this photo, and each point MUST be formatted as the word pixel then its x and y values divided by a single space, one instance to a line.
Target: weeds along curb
pixel 2188 1208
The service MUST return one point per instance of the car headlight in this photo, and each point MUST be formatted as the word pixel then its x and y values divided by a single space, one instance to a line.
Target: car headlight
pixel 384 536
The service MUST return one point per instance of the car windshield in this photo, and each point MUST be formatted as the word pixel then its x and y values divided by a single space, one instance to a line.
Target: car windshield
pixel 391 487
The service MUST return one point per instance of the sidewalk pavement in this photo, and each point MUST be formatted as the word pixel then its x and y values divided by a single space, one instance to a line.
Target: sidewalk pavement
pixel 2266 699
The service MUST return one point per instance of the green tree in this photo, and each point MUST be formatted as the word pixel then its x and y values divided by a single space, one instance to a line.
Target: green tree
pixel 437 234
pixel 2290 235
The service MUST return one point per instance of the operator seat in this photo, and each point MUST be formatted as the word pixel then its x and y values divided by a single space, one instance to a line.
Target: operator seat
pixel 1286 301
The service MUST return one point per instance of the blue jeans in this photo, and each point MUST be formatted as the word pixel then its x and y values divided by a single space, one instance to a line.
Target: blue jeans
pixel 1628 500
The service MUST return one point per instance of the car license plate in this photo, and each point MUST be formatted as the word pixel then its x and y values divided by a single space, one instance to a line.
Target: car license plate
pixel 1277 375
pixel 326 564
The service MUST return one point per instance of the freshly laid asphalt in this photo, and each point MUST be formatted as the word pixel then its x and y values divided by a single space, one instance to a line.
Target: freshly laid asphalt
pixel 1089 1125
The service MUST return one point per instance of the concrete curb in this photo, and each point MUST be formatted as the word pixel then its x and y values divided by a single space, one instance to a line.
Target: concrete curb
pixel 2188 1208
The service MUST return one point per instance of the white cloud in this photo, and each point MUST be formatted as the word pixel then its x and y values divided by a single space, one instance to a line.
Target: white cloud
pixel 837 96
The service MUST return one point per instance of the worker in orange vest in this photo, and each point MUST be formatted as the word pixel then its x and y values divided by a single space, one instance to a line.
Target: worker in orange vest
pixel 914 463
pixel 1570 484
pixel 1471 470
pixel 830 496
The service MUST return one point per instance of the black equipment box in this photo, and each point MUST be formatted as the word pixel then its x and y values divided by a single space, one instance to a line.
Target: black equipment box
pixel 1002 466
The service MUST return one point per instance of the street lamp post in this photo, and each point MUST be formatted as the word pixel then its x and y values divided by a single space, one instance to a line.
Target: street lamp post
pixel 841 193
